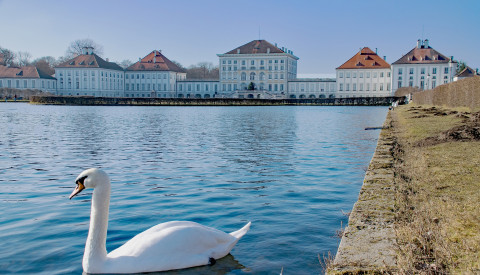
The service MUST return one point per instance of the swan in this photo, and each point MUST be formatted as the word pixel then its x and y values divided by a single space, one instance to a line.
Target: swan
pixel 166 246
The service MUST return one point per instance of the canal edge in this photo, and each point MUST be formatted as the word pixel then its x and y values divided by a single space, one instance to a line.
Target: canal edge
pixel 368 242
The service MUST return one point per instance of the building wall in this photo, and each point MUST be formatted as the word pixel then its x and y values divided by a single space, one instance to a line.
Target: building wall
pixel 423 76
pixel 90 81
pixel 363 82
pixel 311 88
pixel 197 88
pixel 152 83
pixel 46 85
pixel 269 72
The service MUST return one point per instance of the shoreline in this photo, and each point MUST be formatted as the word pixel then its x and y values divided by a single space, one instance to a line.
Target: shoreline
pixel 418 208
pixel 121 101
pixel 368 242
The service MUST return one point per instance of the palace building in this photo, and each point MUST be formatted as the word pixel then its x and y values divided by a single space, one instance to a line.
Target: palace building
pixel 89 75
pixel 28 77
pixel 153 76
pixel 364 75
pixel 257 69
pixel 423 67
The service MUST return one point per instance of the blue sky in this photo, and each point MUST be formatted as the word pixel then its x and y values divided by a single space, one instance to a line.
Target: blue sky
pixel 323 34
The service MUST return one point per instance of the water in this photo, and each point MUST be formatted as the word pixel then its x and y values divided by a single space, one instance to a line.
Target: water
pixel 291 170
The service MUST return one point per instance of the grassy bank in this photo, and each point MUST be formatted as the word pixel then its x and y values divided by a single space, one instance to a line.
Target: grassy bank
pixel 437 178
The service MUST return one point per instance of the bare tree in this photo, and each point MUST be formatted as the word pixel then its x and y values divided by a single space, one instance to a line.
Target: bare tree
pixel 203 70
pixel 125 63
pixel 179 65
pixel 46 64
pixel 23 58
pixel 8 57
pixel 76 47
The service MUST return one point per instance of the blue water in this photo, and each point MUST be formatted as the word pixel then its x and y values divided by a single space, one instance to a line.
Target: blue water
pixel 290 170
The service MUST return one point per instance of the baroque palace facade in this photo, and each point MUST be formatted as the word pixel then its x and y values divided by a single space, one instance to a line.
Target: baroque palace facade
pixel 257 69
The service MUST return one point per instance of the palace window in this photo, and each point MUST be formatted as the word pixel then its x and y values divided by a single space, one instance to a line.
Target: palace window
pixel 446 70
pixel 434 70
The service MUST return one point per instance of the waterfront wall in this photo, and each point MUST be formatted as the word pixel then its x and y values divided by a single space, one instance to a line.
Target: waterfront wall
pixel 369 241
pixel 111 101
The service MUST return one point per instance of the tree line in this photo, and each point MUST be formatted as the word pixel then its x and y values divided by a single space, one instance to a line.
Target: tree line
pixel 203 70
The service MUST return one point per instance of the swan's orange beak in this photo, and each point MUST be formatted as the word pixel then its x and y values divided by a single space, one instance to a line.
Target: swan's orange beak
pixel 78 189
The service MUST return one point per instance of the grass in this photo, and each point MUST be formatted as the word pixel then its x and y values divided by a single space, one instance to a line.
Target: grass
pixel 438 193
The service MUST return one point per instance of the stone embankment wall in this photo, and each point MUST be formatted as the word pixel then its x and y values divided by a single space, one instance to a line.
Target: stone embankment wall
pixel 84 100
pixel 368 242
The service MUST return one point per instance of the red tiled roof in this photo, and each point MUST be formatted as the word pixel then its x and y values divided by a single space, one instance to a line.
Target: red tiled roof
pixel 155 61
pixel 467 72
pixel 365 59
pixel 23 72
pixel 256 47
pixel 89 61
pixel 422 55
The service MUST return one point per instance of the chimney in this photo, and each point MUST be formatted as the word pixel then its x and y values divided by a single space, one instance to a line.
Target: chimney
pixel 426 43
pixel 451 58
pixel 268 50
pixel 85 50
pixel 376 51
pixel 419 43
pixel 154 56
pixel 385 57
pixel 238 51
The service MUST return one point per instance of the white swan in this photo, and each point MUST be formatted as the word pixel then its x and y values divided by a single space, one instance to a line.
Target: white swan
pixel 167 246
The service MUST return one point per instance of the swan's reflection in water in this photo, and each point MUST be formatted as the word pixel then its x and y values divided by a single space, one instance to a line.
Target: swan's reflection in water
pixel 222 266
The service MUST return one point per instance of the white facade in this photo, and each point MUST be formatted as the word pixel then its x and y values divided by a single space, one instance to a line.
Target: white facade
pixel 311 88
pixel 89 75
pixel 46 85
pixel 260 63
pixel 152 83
pixel 423 67
pixel 364 75
pixel 90 82
pixel 363 83
pixel 197 88
pixel 423 76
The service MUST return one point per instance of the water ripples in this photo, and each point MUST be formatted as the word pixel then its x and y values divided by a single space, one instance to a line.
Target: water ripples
pixel 289 170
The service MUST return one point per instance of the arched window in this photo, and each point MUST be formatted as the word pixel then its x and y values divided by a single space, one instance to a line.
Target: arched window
pixel 244 76
pixel 262 76
pixel 252 76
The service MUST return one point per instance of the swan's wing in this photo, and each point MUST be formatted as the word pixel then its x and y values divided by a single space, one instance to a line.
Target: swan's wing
pixel 177 237
pixel 172 245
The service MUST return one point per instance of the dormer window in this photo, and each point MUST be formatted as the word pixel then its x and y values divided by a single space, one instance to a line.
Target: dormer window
pixel 82 63
pixel 91 63
pixel 72 63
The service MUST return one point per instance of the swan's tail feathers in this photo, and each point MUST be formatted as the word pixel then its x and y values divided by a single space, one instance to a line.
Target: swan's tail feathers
pixel 242 231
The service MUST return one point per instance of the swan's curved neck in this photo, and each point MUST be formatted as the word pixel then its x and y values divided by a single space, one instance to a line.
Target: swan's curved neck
pixel 95 248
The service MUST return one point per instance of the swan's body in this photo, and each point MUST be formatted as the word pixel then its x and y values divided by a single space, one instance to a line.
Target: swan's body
pixel 166 246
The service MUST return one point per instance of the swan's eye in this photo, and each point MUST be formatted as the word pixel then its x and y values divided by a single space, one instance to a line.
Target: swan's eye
pixel 81 180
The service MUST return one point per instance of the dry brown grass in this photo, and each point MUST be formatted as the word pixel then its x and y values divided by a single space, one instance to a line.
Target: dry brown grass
pixel 438 193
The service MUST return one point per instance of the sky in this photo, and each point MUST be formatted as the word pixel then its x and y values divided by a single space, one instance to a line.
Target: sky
pixel 323 34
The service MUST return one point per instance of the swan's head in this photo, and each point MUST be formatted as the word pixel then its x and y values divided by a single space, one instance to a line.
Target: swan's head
pixel 90 178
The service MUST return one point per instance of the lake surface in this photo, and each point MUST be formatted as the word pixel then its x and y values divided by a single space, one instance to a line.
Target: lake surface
pixel 290 170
